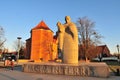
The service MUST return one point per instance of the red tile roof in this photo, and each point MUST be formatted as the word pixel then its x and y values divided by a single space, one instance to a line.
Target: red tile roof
pixel 102 47
pixel 42 25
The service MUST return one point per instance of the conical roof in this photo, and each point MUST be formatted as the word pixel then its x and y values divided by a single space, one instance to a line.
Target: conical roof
pixel 42 25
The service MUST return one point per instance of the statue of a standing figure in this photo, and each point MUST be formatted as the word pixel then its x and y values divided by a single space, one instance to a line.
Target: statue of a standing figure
pixel 68 41
pixel 61 31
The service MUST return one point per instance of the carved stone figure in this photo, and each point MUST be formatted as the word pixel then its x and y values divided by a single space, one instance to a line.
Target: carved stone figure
pixel 61 30
pixel 69 38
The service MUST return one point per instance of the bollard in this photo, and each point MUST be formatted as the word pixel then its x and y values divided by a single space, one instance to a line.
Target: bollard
pixel 117 72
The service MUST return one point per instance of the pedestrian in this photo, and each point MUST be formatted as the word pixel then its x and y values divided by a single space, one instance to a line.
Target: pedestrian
pixel 12 63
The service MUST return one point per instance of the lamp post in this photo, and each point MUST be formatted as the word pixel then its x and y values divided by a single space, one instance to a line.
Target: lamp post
pixel 18 48
pixel 118 51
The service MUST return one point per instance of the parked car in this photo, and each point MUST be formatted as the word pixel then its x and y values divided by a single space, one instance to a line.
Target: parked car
pixel 9 57
pixel 106 59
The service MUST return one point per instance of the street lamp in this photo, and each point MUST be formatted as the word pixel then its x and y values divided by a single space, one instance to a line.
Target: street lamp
pixel 18 48
pixel 118 51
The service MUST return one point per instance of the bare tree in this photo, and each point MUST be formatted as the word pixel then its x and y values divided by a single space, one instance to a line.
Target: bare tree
pixel 2 38
pixel 88 36
pixel 15 45
pixel 20 46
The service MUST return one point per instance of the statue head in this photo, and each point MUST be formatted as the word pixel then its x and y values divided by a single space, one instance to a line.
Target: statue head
pixel 58 23
pixel 67 19
pixel 60 27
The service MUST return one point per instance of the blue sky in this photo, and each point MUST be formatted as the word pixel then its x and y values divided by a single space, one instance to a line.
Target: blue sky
pixel 18 17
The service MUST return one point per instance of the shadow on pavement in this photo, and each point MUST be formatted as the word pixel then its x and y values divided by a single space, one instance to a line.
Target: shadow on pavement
pixel 17 67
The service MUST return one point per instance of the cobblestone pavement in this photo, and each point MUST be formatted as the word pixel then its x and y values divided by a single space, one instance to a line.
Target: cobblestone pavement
pixel 17 74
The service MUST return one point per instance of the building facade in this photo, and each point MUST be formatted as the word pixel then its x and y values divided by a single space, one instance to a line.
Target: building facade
pixel 103 50
pixel 94 51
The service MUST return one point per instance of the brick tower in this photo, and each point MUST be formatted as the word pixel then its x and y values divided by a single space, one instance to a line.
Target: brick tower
pixel 41 42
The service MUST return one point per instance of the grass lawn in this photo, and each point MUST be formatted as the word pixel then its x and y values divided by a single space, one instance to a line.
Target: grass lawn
pixel 114 67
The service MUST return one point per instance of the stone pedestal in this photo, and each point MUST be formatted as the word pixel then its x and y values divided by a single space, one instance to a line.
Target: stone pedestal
pixel 82 69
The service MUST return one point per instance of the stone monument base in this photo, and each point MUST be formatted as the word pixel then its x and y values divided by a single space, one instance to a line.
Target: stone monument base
pixel 81 69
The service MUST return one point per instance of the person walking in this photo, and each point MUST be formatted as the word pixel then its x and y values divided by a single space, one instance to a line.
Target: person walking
pixel 12 63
